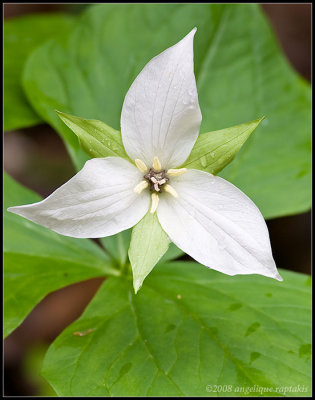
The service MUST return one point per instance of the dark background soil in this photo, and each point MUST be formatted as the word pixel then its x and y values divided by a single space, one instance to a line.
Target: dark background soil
pixel 36 157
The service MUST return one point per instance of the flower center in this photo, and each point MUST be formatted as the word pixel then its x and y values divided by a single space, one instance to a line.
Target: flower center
pixel 156 179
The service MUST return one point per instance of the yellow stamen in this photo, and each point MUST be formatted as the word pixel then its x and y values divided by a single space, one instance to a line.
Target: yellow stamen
pixel 176 172
pixel 141 186
pixel 141 165
pixel 156 164
pixel 155 203
pixel 169 189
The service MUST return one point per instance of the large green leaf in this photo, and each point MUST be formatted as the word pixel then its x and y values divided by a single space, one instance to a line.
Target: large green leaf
pixel 241 74
pixel 38 261
pixel 117 246
pixel 189 332
pixel 21 36
pixel 172 253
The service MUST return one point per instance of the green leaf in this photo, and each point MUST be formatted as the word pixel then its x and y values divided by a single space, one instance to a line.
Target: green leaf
pixel 31 366
pixel 148 244
pixel 240 71
pixel 189 332
pixel 21 36
pixel 96 138
pixel 214 150
pixel 38 261
pixel 117 246
pixel 172 253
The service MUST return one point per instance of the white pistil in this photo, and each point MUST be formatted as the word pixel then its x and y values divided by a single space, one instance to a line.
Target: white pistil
pixel 176 172
pixel 141 165
pixel 156 164
pixel 169 189
pixel 155 203
pixel 156 187
pixel 141 186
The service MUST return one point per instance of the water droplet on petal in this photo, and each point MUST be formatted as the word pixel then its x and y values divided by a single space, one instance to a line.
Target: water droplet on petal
pixel 203 161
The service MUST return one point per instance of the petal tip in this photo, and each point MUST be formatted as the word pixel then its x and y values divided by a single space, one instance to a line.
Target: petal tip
pixel 278 277
pixel 12 209
pixel 191 34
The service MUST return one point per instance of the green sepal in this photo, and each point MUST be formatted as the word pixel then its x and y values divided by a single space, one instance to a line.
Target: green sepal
pixel 215 150
pixel 96 138
pixel 148 244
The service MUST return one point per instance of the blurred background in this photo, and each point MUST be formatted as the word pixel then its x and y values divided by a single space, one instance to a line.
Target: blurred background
pixel 36 157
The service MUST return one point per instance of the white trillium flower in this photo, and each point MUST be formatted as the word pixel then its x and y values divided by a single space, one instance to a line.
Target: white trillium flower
pixel 204 215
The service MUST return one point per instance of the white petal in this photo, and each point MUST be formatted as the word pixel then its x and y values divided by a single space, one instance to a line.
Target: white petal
pixel 217 225
pixel 98 201
pixel 161 115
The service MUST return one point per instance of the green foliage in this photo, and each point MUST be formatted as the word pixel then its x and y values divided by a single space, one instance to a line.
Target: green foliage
pixel 214 150
pixel 38 261
pixel 172 253
pixel 21 36
pixel 32 364
pixel 240 72
pixel 190 331
pixel 188 328
pixel 117 246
